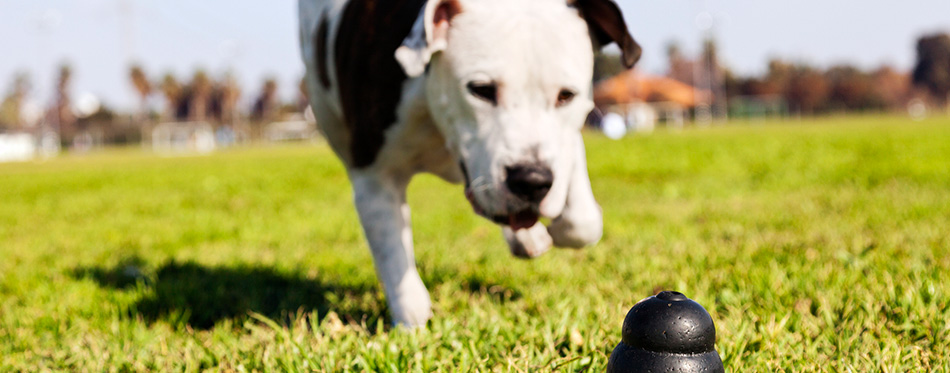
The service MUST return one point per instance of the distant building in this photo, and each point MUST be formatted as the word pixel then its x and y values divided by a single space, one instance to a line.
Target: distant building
pixel 290 130
pixel 644 100
pixel 17 147
pixel 183 137
pixel 25 146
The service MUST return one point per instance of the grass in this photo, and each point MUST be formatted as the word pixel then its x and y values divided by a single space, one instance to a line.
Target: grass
pixel 816 246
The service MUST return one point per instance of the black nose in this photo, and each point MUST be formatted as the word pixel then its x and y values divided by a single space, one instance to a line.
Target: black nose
pixel 529 182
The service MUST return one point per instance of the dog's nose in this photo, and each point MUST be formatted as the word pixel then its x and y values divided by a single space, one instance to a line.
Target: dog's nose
pixel 529 182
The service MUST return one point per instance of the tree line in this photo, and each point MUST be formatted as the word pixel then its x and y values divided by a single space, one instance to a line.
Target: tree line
pixel 203 98
pixel 810 90
pixel 805 90
pixel 200 97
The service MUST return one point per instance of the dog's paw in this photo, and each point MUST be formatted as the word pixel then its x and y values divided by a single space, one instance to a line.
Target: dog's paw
pixel 412 316
pixel 576 234
pixel 409 302
pixel 530 242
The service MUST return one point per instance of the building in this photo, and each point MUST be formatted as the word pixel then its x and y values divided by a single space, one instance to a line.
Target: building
pixel 645 100
pixel 183 137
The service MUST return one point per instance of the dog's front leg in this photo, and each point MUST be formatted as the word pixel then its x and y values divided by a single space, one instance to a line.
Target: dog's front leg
pixel 581 223
pixel 384 214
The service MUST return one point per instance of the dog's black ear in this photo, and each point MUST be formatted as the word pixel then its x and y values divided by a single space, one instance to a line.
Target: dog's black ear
pixel 607 26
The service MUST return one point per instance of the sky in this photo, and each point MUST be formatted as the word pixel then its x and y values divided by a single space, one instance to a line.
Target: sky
pixel 256 39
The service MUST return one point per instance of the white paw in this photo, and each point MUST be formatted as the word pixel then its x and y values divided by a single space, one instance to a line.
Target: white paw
pixel 576 233
pixel 410 305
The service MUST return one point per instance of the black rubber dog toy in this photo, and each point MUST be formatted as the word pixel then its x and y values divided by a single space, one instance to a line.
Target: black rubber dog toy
pixel 667 332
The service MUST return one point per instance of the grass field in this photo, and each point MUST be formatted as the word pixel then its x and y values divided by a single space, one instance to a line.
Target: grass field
pixel 816 246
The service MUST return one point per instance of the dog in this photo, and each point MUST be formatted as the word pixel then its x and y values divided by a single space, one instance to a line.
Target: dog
pixel 489 93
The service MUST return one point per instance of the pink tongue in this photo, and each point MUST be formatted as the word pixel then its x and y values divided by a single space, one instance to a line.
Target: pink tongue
pixel 522 220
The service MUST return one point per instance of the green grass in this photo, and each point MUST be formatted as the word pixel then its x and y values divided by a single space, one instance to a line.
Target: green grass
pixel 816 246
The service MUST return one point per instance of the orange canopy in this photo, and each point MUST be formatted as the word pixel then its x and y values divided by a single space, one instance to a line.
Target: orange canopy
pixel 631 86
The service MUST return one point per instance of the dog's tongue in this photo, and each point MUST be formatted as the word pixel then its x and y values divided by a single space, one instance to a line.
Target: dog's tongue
pixel 523 219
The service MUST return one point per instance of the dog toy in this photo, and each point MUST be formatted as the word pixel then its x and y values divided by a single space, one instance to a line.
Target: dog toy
pixel 667 332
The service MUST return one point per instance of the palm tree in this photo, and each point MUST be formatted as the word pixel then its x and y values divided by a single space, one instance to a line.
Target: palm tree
pixel 201 89
pixel 266 103
pixel 172 92
pixel 230 94
pixel 11 109
pixel 63 115
pixel 932 72
pixel 143 87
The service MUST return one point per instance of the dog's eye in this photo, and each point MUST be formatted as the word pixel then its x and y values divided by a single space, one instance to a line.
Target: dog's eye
pixel 565 97
pixel 484 91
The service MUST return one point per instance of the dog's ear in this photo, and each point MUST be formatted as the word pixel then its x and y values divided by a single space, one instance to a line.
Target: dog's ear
pixel 607 26
pixel 429 35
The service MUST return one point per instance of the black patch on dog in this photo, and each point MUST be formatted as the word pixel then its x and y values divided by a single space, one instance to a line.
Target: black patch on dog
pixel 368 74
pixel 320 40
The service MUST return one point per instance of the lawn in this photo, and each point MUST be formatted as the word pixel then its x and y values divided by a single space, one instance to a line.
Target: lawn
pixel 816 245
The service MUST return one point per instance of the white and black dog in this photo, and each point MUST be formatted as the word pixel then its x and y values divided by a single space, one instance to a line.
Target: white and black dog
pixel 492 93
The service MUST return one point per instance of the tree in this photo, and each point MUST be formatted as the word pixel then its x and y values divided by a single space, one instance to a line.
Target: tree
pixel 891 88
pixel 266 104
pixel 850 89
pixel 806 90
pixel 777 79
pixel 713 78
pixel 711 53
pixel 63 114
pixel 932 72
pixel 11 108
pixel 680 68
pixel 143 87
pixel 201 89
pixel 763 87
pixel 171 89
pixel 230 93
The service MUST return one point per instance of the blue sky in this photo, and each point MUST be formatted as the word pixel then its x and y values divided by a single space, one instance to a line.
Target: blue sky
pixel 257 38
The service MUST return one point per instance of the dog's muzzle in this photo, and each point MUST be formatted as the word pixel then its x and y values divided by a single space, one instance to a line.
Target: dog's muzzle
pixel 529 183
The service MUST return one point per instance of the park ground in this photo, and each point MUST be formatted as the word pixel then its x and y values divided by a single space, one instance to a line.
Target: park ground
pixel 816 245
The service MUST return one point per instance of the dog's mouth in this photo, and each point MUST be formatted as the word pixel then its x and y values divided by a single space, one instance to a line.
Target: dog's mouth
pixel 522 219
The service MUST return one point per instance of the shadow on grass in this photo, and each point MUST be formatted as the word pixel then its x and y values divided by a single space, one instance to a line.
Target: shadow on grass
pixel 476 284
pixel 200 296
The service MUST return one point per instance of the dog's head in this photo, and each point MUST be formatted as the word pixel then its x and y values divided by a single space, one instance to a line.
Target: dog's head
pixel 509 82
